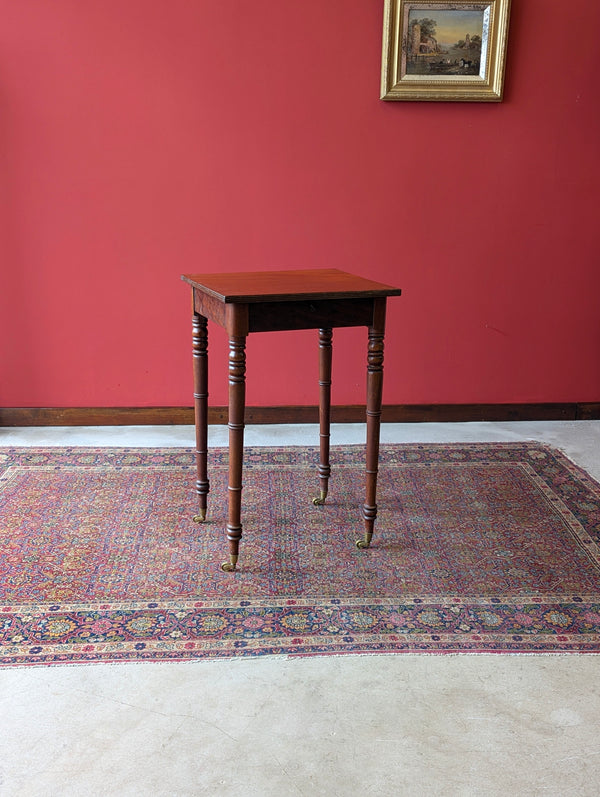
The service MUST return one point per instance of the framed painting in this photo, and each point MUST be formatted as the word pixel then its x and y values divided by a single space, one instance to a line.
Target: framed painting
pixel 452 51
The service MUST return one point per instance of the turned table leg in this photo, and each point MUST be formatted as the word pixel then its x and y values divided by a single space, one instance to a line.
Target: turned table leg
pixel 325 337
pixel 237 400
pixel 374 394
pixel 200 359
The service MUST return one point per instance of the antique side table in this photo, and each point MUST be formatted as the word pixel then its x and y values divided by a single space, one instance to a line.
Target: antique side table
pixel 267 301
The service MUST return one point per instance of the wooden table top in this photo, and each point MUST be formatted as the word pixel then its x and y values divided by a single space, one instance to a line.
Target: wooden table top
pixel 299 284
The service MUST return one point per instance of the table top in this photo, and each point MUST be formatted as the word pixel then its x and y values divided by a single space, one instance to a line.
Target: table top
pixel 298 284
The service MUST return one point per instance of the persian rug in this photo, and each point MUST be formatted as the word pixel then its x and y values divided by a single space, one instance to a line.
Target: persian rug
pixel 477 548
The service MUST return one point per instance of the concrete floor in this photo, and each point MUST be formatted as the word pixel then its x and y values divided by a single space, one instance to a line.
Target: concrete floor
pixel 371 725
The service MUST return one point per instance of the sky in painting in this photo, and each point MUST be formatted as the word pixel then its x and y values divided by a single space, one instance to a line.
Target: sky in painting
pixel 452 25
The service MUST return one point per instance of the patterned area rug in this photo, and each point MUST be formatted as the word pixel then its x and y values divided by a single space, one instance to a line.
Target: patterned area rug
pixel 477 548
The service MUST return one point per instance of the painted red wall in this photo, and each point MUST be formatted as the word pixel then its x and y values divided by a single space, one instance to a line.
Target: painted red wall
pixel 140 139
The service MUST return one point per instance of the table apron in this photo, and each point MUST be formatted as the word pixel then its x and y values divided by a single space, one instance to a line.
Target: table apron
pixel 245 317
pixel 209 307
pixel 315 314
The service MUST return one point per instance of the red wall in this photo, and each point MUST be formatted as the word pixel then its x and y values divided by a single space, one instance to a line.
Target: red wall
pixel 140 139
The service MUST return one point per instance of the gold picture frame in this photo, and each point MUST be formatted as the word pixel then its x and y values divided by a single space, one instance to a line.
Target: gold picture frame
pixel 452 51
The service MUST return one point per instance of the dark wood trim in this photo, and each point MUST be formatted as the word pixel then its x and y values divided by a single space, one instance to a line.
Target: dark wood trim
pixel 391 413
pixel 589 411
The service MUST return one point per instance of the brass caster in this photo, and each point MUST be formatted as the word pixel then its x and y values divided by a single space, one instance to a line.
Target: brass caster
pixel 320 500
pixel 229 567
pixel 362 544
pixel 200 517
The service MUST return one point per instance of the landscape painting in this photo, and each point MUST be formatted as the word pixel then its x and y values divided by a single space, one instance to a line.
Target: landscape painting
pixel 452 51
pixel 446 41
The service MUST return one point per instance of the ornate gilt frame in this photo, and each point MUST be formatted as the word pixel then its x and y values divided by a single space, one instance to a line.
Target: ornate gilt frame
pixel 410 70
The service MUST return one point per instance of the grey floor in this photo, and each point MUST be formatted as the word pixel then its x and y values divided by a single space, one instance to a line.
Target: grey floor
pixel 357 725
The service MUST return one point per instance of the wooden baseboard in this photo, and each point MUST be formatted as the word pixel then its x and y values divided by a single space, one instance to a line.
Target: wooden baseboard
pixel 391 413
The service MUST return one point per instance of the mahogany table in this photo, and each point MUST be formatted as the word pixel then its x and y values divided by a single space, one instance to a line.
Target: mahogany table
pixel 281 300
